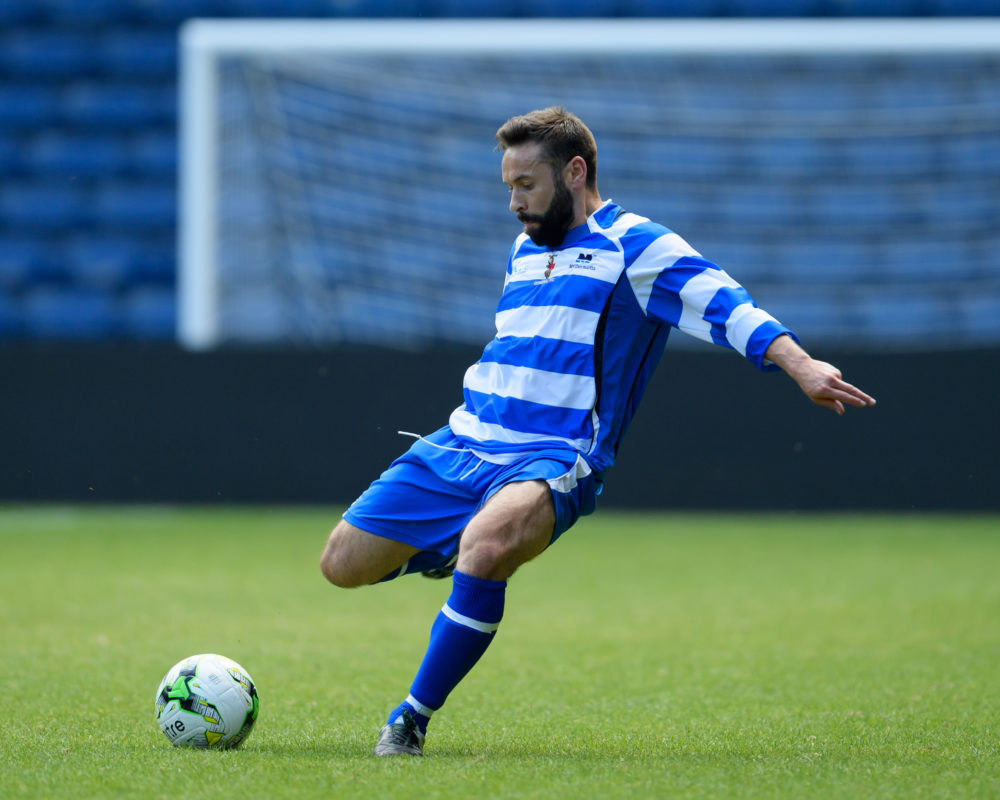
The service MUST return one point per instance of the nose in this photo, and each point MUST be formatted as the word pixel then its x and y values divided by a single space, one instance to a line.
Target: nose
pixel 516 202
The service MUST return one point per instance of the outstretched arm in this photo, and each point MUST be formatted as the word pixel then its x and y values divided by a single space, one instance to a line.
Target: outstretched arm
pixel 821 382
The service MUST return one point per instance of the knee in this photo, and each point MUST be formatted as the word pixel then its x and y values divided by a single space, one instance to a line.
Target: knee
pixel 336 563
pixel 492 557
pixel 513 527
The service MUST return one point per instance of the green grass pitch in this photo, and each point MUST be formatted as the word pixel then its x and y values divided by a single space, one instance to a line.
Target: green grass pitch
pixel 682 656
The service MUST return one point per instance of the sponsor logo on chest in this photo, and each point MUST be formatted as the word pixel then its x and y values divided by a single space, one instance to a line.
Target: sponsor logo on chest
pixel 543 267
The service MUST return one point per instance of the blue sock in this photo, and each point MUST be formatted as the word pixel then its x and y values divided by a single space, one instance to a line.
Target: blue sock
pixel 461 632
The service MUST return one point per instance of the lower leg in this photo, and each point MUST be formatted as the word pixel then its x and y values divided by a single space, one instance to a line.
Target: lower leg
pixel 461 633
pixel 513 527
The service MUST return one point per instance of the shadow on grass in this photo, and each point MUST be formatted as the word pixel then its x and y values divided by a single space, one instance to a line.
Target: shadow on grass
pixel 361 750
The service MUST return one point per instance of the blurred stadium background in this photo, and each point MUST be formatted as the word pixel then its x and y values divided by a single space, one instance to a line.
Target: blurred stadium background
pixel 858 197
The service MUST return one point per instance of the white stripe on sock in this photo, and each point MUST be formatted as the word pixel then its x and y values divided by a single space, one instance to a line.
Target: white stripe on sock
pixel 468 622
pixel 419 707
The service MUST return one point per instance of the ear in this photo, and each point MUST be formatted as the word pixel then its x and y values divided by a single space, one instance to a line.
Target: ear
pixel 575 173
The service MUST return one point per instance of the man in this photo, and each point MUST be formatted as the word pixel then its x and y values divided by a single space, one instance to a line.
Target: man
pixel 591 293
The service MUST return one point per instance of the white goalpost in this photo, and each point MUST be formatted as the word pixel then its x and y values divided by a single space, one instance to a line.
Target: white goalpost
pixel 338 181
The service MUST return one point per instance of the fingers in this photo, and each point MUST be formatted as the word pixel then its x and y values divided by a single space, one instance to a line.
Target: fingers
pixel 824 385
pixel 854 396
pixel 833 405
pixel 839 392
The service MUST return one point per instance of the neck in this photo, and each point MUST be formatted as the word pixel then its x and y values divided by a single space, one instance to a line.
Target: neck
pixel 585 206
pixel 593 203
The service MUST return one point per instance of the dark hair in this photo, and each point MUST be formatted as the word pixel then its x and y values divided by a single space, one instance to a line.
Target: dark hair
pixel 562 134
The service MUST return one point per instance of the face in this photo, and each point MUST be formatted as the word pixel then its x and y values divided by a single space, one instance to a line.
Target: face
pixel 541 199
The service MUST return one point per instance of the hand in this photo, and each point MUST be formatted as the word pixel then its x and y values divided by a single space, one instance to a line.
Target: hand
pixel 821 382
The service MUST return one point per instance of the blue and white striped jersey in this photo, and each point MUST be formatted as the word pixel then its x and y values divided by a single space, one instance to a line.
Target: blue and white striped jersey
pixel 581 327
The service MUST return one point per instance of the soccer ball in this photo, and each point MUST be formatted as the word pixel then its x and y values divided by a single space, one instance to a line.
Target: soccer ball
pixel 207 700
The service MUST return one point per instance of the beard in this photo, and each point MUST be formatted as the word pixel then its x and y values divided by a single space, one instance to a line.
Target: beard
pixel 550 227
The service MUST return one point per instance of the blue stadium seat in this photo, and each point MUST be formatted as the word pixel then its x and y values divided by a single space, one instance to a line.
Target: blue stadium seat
pixel 972 154
pixel 150 313
pixel 41 53
pixel 871 206
pixel 481 8
pixel 672 8
pixel 722 93
pixel 102 262
pixel 20 11
pixel 255 208
pixel 35 205
pixel 841 260
pixel 58 152
pixel 136 204
pixel 775 8
pixel 796 155
pixel 380 153
pixel 673 156
pixel 963 8
pixel 27 106
pixel 758 204
pixel 69 314
pixel 97 13
pixel 130 51
pixel 156 261
pixel 361 310
pixel 813 315
pixel 790 94
pixel 678 207
pixel 979 315
pixel 279 8
pixel 984 89
pixel 154 153
pixel 381 8
pixel 916 91
pixel 27 260
pixel 471 321
pixel 982 252
pixel 968 203
pixel 396 258
pixel 927 260
pixel 11 161
pixel 751 261
pixel 108 104
pixel 881 155
pixel 615 155
pixel 459 156
pixel 22 262
pixel 900 318
pixel 173 11
pixel 571 8
pixel 878 8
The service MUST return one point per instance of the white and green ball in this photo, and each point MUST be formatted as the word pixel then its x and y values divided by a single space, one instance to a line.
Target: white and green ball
pixel 207 701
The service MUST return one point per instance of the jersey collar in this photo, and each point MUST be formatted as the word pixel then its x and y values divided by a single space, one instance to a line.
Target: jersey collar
pixel 602 218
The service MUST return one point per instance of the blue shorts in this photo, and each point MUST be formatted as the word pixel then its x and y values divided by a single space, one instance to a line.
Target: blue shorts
pixel 428 495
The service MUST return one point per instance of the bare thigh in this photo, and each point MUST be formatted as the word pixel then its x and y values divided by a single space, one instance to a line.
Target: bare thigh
pixel 353 557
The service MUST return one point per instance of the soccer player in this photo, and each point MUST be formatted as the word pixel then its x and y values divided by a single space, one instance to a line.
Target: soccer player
pixel 591 293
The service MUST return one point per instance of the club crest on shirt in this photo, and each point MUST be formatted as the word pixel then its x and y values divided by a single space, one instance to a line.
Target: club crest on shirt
pixel 549 266
pixel 553 264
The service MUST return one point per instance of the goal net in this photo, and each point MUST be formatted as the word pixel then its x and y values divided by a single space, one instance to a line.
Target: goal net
pixel 340 182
